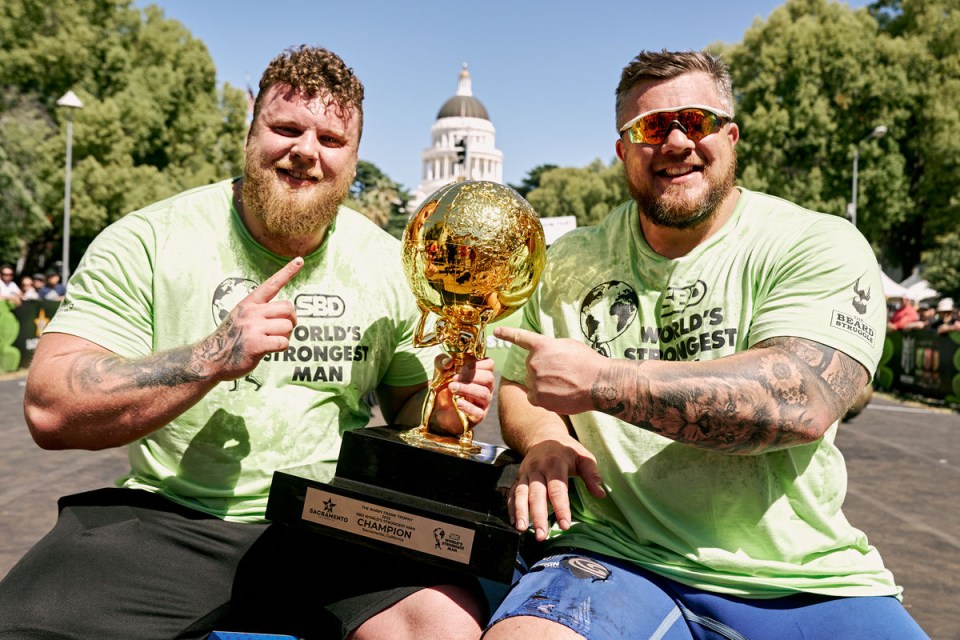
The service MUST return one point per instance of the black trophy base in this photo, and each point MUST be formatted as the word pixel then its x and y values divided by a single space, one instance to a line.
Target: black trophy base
pixel 438 507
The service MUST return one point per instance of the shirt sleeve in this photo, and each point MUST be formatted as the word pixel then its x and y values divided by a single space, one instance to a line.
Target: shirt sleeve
pixel 110 297
pixel 826 288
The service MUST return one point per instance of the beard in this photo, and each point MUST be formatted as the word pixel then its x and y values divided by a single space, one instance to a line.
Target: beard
pixel 286 212
pixel 674 208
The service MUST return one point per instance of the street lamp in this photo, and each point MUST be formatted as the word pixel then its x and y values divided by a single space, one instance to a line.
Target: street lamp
pixel 70 101
pixel 878 132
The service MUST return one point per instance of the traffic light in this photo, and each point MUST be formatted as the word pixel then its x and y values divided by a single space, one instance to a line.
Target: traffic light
pixel 461 151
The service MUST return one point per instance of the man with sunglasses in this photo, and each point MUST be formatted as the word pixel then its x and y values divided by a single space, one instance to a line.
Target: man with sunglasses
pixel 8 287
pixel 686 362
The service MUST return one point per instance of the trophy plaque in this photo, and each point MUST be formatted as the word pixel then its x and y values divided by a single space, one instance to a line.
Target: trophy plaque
pixel 472 253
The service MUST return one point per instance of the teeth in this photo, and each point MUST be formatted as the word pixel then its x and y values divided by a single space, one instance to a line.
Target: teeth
pixel 298 175
pixel 677 171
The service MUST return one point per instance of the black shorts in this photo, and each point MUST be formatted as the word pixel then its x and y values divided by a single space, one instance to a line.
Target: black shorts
pixel 129 564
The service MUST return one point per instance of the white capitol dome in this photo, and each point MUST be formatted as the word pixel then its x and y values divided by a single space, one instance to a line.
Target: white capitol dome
pixel 461 118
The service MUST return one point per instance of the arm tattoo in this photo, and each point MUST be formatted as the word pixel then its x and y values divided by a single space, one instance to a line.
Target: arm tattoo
pixel 113 374
pixel 772 397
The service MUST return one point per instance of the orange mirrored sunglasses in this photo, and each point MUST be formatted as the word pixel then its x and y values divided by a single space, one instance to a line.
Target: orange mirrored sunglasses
pixel 695 121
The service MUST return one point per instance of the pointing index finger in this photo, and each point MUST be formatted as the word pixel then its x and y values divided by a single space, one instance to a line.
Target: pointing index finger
pixel 520 337
pixel 269 289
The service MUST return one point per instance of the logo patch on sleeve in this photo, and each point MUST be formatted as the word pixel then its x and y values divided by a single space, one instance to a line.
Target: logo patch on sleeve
pixel 853 324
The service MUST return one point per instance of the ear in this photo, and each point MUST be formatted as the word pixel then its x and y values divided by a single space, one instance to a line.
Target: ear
pixel 620 149
pixel 733 133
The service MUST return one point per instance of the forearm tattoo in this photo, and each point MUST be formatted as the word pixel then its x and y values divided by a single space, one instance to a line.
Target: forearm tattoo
pixel 114 374
pixel 770 401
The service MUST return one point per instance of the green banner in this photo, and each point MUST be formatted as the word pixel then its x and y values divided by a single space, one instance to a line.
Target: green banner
pixel 33 316
pixel 922 362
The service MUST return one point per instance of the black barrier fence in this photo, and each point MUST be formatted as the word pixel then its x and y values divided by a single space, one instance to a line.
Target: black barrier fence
pixel 33 316
pixel 921 363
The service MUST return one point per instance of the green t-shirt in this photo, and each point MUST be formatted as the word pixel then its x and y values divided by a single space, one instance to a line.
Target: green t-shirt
pixel 165 276
pixel 762 525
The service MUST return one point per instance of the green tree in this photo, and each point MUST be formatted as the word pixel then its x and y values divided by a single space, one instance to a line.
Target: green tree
pixel 929 33
pixel 588 193
pixel 814 80
pixel 153 122
pixel 23 131
pixel 532 180
pixel 943 265
pixel 811 83
pixel 380 198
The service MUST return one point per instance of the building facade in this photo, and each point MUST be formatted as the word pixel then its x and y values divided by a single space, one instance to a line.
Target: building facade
pixel 462 144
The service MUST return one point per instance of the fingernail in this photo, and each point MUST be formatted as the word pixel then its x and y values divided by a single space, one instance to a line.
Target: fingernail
pixel 564 524
pixel 521 524
pixel 541 534
pixel 454 387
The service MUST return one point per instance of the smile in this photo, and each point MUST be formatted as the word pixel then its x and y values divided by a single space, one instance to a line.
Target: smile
pixel 679 170
pixel 297 176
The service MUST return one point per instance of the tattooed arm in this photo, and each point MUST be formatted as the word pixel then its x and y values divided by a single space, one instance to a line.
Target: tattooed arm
pixel 80 395
pixel 782 392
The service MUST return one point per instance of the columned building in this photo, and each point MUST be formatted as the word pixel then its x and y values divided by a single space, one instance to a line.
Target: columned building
pixel 461 119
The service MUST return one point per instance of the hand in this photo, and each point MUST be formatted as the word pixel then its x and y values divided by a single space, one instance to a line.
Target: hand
pixel 560 371
pixel 543 475
pixel 258 325
pixel 471 388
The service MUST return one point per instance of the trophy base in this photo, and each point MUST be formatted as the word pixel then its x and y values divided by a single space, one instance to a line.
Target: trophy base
pixel 421 437
pixel 440 506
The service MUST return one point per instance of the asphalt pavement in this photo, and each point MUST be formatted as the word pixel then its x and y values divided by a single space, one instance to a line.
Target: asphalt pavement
pixel 903 461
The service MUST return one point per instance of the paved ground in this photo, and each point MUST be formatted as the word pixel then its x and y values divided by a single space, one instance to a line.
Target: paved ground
pixel 903 461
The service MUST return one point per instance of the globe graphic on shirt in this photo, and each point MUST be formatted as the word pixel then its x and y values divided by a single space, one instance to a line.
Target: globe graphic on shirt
pixel 606 312
pixel 228 294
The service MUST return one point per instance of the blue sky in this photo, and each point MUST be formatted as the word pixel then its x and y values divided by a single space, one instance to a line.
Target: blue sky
pixel 545 71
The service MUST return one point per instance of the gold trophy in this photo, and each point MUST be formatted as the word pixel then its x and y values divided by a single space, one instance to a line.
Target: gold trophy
pixel 473 253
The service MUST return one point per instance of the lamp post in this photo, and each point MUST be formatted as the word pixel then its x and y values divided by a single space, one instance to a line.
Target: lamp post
pixel 878 132
pixel 70 101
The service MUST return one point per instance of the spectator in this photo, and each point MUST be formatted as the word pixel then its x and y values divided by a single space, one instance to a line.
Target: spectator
pixel 946 318
pixel 29 291
pixel 9 290
pixel 40 284
pixel 906 314
pixel 53 289
pixel 926 315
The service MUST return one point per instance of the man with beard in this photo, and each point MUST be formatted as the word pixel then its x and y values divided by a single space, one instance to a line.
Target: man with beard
pixel 221 335
pixel 706 491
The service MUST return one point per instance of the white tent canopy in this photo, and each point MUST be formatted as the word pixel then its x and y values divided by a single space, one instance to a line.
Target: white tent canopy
pixel 890 288
pixel 921 290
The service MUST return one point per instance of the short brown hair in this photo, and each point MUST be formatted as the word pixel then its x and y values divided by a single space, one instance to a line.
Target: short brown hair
pixel 314 71
pixel 663 65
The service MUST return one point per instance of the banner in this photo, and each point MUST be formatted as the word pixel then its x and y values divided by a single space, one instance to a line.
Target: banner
pixel 33 316
pixel 923 363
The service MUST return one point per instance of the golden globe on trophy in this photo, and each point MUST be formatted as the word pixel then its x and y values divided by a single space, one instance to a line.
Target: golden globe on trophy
pixel 472 253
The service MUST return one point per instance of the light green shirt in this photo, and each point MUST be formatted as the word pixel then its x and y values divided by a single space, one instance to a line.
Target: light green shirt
pixel 761 525
pixel 165 276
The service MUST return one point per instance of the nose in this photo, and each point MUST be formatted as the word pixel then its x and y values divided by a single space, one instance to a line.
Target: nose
pixel 306 146
pixel 677 139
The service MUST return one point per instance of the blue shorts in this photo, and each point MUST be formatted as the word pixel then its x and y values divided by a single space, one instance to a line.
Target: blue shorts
pixel 601 597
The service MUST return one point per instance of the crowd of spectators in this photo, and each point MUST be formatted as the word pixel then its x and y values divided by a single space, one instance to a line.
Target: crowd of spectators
pixel 906 314
pixel 35 287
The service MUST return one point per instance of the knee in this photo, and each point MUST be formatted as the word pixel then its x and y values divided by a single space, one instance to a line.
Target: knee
pixel 444 612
